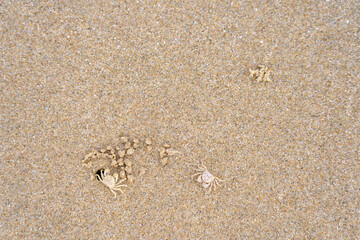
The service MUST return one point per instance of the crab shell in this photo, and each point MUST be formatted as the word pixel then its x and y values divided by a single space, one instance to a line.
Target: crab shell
pixel 109 180
pixel 206 178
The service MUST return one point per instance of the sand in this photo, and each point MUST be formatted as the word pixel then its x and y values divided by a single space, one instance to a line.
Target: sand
pixel 76 76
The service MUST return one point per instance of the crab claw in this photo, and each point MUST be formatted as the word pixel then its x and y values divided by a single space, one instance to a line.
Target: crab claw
pixel 106 172
pixel 205 185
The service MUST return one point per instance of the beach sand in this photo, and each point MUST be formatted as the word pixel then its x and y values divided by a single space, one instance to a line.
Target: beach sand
pixel 77 76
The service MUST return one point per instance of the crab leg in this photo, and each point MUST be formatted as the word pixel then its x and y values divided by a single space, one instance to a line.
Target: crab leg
pixel 219 179
pixel 197 167
pixel 113 192
pixel 122 180
pixel 196 174
pixel 118 186
pixel 118 189
pixel 202 164
pixel 209 188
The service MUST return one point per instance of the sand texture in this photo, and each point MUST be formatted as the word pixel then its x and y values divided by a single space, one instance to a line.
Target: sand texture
pixel 75 76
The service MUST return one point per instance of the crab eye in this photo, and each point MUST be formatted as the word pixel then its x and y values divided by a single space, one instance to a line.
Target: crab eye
pixel 99 173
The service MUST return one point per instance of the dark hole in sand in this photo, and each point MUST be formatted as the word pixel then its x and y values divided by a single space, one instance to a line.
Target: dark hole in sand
pixel 98 174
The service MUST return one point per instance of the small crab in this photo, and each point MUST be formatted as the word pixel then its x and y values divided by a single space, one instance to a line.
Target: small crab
pixel 111 181
pixel 206 178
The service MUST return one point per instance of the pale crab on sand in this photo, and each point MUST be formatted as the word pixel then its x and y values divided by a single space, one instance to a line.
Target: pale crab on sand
pixel 111 181
pixel 206 179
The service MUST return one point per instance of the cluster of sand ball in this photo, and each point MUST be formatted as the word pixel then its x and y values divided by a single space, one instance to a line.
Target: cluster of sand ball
pixel 165 152
pixel 120 159
pixel 261 74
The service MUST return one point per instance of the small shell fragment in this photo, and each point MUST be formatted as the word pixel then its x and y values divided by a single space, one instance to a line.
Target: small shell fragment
pixel 136 140
pixel 108 148
pixel 166 145
pixel 114 163
pixel 130 151
pixel 164 161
